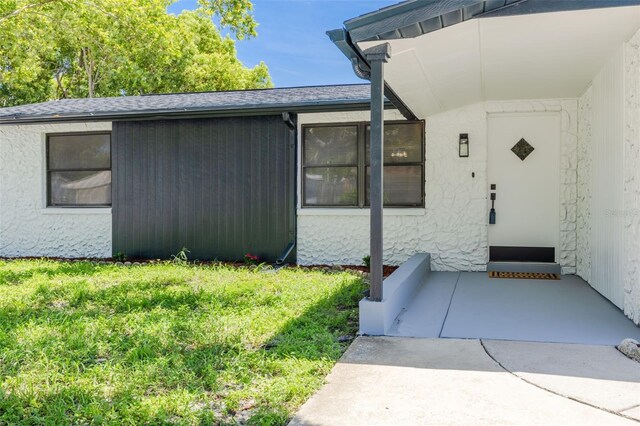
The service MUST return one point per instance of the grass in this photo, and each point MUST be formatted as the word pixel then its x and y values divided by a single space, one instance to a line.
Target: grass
pixel 84 343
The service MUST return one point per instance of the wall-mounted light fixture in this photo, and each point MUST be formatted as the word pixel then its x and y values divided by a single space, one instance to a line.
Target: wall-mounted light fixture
pixel 463 145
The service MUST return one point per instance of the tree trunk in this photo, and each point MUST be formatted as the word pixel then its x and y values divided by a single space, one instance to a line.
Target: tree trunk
pixel 86 61
pixel 63 91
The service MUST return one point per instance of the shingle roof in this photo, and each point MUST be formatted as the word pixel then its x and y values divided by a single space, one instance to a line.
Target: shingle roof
pixel 294 99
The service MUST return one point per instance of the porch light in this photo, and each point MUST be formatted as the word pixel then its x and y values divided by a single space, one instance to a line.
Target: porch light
pixel 463 145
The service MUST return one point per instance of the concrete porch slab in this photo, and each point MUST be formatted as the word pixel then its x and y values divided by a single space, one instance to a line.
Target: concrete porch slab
pixel 565 311
pixel 387 380
pixel 471 305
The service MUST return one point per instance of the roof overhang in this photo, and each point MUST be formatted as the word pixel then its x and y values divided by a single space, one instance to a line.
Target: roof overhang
pixel 414 18
pixel 448 54
pixel 249 110
pixel 362 69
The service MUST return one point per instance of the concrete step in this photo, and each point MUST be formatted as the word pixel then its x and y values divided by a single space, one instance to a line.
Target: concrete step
pixel 551 268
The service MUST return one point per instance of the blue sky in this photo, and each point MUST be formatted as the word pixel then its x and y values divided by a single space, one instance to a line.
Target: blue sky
pixel 292 41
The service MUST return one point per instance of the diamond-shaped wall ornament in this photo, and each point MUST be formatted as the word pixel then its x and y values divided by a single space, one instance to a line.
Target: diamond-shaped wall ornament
pixel 522 149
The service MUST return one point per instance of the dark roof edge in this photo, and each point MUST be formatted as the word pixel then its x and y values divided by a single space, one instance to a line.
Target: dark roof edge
pixel 405 9
pixel 260 89
pixel 411 16
pixel 531 7
pixel 417 17
pixel 342 40
pixel 196 113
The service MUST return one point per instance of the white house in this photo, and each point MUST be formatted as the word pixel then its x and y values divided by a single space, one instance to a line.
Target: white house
pixel 534 101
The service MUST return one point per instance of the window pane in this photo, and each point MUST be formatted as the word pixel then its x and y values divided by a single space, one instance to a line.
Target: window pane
pixel 81 188
pixel 331 186
pixel 330 145
pixel 402 185
pixel 402 143
pixel 79 152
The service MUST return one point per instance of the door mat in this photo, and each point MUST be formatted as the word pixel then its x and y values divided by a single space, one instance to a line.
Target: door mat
pixel 524 275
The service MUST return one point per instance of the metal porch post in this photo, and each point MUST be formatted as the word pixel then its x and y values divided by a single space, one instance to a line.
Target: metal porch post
pixel 377 56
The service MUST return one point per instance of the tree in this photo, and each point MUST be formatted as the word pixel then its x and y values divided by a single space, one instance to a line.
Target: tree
pixel 53 49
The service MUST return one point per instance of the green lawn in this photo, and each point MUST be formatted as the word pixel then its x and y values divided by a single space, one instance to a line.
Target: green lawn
pixel 84 343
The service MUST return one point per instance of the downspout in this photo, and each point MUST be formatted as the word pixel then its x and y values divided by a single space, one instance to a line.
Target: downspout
pixel 290 120
pixel 286 253
pixel 362 68
pixel 370 65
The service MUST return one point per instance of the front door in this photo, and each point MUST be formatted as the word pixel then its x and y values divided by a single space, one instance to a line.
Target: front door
pixel 524 174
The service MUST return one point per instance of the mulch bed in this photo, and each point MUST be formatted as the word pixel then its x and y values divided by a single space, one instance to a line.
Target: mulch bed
pixel 386 271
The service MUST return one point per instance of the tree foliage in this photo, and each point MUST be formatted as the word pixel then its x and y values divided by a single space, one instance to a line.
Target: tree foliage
pixel 53 49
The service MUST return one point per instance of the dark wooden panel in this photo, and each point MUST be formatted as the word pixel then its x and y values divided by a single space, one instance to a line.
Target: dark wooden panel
pixel 220 187
pixel 521 254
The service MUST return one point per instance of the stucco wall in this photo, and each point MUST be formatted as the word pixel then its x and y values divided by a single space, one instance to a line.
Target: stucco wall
pixel 453 224
pixel 452 227
pixel 585 149
pixel 632 178
pixel 27 227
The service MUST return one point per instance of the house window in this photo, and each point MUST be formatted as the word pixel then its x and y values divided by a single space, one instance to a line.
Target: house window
pixel 79 170
pixel 335 162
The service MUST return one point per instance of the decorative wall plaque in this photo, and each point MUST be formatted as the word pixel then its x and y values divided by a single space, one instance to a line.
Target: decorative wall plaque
pixel 522 149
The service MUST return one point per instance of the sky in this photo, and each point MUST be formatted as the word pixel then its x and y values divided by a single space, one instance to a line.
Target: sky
pixel 292 41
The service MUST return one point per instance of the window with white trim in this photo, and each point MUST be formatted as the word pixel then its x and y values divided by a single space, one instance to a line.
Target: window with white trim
pixel 79 169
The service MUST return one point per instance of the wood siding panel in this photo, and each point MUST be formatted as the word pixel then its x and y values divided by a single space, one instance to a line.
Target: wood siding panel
pixel 607 181
pixel 220 187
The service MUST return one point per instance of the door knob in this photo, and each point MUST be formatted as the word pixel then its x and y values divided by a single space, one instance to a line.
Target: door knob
pixel 492 212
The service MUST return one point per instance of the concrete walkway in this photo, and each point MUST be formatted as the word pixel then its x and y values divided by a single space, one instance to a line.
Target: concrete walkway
pixel 470 305
pixel 403 381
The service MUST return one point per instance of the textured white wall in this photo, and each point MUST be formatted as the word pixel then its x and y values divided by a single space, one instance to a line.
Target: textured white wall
pixel 27 227
pixel 631 175
pixel 585 159
pixel 453 225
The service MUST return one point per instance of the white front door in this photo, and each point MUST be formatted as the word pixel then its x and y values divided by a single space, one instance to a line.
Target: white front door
pixel 527 181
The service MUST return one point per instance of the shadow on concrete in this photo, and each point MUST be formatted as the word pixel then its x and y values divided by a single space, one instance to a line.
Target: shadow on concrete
pixel 391 380
pixel 586 361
